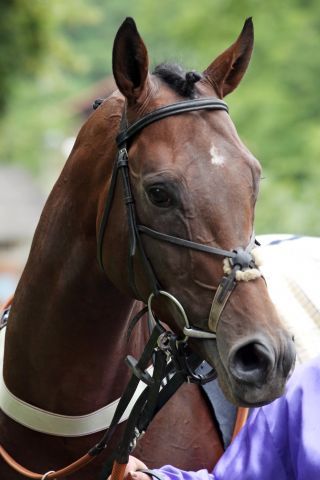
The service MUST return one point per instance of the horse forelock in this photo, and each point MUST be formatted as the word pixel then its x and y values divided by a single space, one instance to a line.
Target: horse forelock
pixel 181 81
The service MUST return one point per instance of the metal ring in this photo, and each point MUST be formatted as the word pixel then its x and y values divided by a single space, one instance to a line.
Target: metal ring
pixel 176 303
pixel 46 474
pixel 187 329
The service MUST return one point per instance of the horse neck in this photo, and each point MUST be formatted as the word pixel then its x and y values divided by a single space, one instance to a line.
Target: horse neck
pixel 68 323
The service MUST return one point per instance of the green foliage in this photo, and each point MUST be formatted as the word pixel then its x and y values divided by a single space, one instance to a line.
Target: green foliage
pixel 276 108
pixel 34 36
pixel 22 41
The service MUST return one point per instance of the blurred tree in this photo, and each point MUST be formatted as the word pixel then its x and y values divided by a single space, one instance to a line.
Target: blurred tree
pixel 23 39
pixel 276 108
pixel 34 33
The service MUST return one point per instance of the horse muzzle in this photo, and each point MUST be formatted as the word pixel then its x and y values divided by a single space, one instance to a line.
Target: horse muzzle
pixel 257 369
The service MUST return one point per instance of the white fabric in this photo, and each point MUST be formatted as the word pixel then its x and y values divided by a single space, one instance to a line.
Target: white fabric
pixel 52 423
pixel 291 266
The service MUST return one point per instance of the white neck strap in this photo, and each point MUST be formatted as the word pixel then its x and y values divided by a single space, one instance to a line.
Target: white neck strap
pixel 55 424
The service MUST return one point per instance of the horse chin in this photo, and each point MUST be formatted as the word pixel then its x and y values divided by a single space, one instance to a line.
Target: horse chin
pixel 238 393
pixel 244 395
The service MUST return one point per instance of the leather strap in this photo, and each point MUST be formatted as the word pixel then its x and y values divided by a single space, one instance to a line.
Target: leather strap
pixel 242 417
pixel 219 302
pixel 181 242
pixel 168 111
pixel 73 467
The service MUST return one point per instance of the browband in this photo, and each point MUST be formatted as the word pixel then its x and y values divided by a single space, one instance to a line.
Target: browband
pixel 168 111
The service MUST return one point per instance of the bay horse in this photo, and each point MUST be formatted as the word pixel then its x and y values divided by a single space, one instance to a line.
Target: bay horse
pixel 192 179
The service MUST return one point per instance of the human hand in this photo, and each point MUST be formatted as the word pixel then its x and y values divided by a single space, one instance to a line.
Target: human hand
pixel 131 472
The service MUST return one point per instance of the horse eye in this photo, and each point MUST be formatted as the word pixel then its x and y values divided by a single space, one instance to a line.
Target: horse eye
pixel 159 196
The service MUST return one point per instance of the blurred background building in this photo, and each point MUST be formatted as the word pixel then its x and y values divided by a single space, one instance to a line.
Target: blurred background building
pixel 55 60
pixel 21 202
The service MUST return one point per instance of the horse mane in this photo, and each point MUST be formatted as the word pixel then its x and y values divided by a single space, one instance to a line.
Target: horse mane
pixel 177 78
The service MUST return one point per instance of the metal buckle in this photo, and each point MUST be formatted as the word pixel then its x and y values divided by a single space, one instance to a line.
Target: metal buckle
pixel 4 318
pixel 187 329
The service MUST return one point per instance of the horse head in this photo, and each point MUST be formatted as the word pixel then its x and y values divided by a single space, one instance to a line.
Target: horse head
pixel 191 178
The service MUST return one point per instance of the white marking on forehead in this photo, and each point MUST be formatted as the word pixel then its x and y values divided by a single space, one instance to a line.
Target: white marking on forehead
pixel 216 157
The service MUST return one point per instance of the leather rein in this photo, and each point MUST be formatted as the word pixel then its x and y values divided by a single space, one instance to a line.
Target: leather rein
pixel 172 366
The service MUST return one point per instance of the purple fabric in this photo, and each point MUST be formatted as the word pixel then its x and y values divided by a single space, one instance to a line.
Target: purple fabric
pixel 280 441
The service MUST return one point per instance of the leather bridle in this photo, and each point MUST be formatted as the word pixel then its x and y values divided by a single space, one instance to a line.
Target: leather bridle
pixel 239 259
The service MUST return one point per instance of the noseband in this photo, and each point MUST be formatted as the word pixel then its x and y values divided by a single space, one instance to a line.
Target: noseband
pixel 239 264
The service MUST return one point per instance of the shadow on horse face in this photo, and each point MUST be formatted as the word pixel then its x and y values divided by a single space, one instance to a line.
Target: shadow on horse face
pixel 193 178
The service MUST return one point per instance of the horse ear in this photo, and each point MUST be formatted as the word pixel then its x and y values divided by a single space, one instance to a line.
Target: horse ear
pixel 227 70
pixel 130 61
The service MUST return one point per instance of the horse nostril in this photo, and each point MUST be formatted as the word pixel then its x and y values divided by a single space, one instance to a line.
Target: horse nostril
pixel 251 362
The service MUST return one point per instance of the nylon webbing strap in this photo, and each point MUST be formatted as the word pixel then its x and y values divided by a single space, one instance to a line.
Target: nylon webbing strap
pixel 132 385
pixel 142 412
